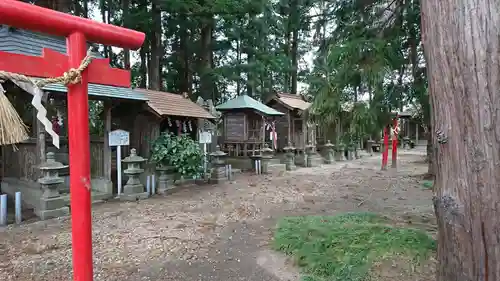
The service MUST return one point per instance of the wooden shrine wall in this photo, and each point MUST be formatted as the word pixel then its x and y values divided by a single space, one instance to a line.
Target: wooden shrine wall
pixel 234 126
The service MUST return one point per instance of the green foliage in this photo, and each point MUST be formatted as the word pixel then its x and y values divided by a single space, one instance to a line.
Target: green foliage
pixel 344 247
pixel 96 123
pixel 180 152
pixel 374 49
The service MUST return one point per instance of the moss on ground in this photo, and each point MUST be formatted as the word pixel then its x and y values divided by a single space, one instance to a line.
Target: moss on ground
pixel 343 247
pixel 427 184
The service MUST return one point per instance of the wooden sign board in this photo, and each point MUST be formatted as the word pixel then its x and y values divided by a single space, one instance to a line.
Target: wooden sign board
pixel 205 137
pixel 119 138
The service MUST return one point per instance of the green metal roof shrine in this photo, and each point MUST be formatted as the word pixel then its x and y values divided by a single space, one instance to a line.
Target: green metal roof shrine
pixel 245 101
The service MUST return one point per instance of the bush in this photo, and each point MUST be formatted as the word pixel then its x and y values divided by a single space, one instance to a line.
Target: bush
pixel 180 152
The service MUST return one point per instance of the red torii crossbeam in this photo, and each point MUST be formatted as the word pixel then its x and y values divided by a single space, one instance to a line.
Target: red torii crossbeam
pixel 77 31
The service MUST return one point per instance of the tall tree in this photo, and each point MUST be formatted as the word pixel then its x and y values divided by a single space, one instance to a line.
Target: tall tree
pixel 461 44
pixel 156 47
pixel 58 5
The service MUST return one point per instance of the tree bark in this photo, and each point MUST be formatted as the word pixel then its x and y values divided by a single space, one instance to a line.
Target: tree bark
pixel 156 48
pixel 144 68
pixel 462 47
pixel 126 52
pixel 206 82
pixel 185 83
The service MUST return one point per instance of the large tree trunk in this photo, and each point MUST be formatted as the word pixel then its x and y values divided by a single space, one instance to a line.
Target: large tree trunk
pixel 143 70
pixel 185 83
pixel 206 82
pixel 156 48
pixel 462 47
pixel 126 52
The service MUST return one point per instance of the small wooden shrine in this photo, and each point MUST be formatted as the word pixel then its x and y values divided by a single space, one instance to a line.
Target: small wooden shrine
pixel 412 129
pixel 293 126
pixel 246 122
pixel 164 112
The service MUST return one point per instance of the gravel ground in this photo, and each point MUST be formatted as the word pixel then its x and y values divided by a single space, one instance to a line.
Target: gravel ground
pixel 216 232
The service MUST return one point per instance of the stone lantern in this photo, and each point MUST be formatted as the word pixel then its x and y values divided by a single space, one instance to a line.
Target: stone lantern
pixel 406 142
pixel 51 205
pixel 350 151
pixel 369 146
pixel 309 154
pixel 133 189
pixel 267 155
pixel 218 161
pixel 329 155
pixel 166 178
pixel 289 157
pixel 340 152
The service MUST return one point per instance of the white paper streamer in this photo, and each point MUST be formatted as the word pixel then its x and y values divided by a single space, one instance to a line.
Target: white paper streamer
pixel 41 114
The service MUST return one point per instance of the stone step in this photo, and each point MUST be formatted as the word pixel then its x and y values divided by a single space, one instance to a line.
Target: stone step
pixel 275 161
pixel 96 197
pixel 277 168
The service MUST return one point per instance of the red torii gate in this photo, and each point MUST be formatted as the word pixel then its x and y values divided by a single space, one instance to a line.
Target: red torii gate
pixel 52 64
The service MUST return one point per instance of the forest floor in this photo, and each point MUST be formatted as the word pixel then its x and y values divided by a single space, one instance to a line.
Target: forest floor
pixel 225 231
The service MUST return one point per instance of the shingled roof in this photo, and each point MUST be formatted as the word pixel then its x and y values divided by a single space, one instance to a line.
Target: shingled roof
pixel 168 104
pixel 292 101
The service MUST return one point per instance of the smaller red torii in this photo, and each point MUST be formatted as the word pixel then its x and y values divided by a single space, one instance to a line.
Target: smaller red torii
pixel 77 31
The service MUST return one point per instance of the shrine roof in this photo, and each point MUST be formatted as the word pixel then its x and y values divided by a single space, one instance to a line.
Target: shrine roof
pixel 23 42
pixel 292 101
pixel 97 90
pixel 164 103
pixel 247 102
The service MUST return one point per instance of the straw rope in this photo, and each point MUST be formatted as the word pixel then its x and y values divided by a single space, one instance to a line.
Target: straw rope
pixel 12 128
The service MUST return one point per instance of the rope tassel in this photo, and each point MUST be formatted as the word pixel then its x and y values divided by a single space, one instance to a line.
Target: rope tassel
pixel 12 128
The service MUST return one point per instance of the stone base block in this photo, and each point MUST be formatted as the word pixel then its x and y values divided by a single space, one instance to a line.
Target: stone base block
pixel 314 160
pixel 329 161
pixel 54 213
pixel 133 189
pixel 103 186
pixel 217 180
pixel 290 167
pixel 163 188
pixel 134 196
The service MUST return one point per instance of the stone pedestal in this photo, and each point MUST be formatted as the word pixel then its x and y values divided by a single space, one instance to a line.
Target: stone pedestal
pixel 350 152
pixel 218 161
pixel 406 143
pixel 356 150
pixel 51 204
pixel 289 157
pixel 309 149
pixel 133 189
pixel 166 178
pixel 340 152
pixel 267 155
pixel 329 152
pixel 369 146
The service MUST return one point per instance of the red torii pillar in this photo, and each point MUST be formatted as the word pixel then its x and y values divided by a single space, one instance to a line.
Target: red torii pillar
pixel 77 31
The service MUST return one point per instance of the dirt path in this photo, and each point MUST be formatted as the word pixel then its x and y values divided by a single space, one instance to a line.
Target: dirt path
pixel 215 232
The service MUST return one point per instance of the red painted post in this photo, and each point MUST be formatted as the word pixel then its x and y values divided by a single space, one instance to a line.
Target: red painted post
pixel 394 163
pixel 79 163
pixel 385 153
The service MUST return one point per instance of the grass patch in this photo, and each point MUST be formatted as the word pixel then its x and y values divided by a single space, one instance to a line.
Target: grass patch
pixel 343 248
pixel 427 184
